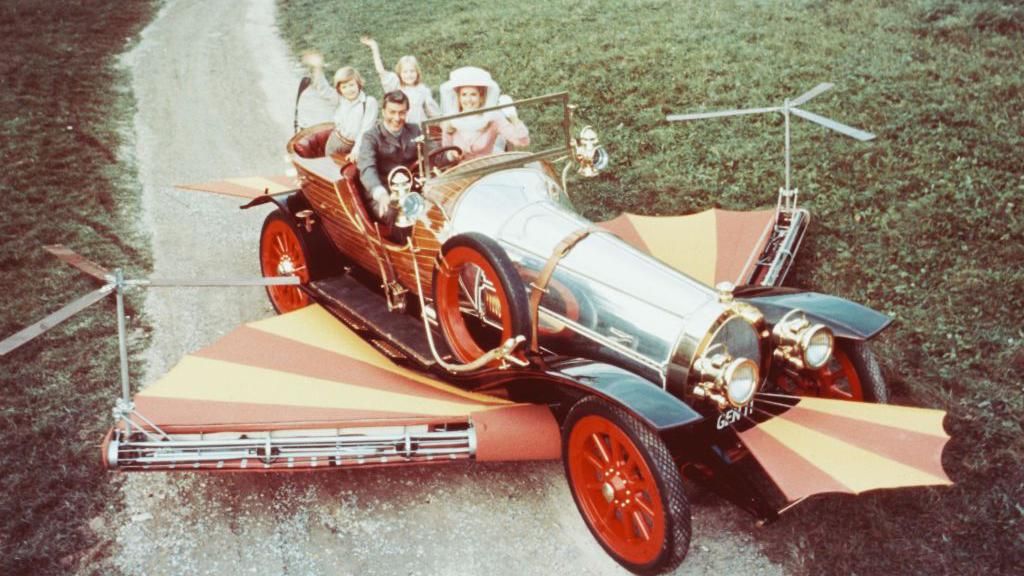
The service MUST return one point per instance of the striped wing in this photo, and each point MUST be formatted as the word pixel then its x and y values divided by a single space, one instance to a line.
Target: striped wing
pixel 837 446
pixel 246 187
pixel 711 246
pixel 307 370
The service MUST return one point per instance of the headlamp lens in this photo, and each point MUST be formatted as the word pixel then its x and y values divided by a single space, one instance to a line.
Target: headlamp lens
pixel 741 378
pixel 818 348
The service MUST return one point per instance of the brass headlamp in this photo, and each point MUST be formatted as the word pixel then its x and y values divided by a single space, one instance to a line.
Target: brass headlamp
pixel 590 155
pixel 800 344
pixel 410 205
pixel 726 381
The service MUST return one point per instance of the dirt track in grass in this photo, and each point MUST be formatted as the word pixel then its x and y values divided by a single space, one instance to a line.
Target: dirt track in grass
pixel 213 83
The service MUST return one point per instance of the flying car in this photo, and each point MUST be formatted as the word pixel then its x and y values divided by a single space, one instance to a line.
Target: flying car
pixel 490 321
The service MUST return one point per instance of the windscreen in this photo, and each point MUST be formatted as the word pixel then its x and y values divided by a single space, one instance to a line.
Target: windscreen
pixel 536 126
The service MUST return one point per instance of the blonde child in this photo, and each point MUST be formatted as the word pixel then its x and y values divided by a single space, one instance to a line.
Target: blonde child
pixel 408 78
pixel 356 112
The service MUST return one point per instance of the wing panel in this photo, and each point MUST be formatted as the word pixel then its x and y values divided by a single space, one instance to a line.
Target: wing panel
pixel 836 446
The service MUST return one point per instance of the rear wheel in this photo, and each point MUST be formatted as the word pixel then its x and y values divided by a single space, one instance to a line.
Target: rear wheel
pixel 283 252
pixel 626 486
pixel 851 374
pixel 478 295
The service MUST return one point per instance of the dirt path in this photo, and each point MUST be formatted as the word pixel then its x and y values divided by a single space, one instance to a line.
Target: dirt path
pixel 214 83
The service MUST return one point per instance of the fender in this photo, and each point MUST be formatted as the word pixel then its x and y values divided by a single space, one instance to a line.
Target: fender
pixel 286 201
pixel 647 401
pixel 846 319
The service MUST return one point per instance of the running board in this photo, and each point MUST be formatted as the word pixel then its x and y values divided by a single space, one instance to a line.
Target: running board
pixel 289 449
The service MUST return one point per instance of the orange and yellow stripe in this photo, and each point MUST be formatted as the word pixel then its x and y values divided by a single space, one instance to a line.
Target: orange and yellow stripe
pixel 717 245
pixel 824 445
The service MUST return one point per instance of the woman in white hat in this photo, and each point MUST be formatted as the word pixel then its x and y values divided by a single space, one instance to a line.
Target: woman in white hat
pixel 356 111
pixel 472 88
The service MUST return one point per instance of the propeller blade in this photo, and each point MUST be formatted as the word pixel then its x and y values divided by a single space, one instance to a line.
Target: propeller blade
pixel 833 125
pixel 823 87
pixel 75 259
pixel 28 333
pixel 719 114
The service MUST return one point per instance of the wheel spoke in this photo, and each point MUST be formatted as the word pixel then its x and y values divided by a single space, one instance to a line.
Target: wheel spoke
pixel 622 522
pixel 597 464
pixel 641 525
pixel 643 506
pixel 609 514
pixel 602 450
pixel 837 392
pixel 617 457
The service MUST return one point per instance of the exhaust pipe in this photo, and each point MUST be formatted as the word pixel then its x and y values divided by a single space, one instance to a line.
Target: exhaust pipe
pixel 289 449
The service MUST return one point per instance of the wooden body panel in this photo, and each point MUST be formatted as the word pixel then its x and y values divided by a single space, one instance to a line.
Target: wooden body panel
pixel 344 221
pixel 335 198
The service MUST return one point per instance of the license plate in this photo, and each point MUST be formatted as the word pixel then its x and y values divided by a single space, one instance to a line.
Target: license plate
pixel 734 415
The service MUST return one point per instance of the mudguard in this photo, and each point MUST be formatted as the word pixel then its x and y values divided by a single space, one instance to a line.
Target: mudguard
pixel 657 408
pixel 283 200
pixel 846 319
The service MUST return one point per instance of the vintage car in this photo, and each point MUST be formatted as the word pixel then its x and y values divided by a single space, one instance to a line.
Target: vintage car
pixel 646 369
pixel 505 326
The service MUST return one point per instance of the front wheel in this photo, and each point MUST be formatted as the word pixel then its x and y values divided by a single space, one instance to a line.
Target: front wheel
pixel 851 374
pixel 283 252
pixel 626 486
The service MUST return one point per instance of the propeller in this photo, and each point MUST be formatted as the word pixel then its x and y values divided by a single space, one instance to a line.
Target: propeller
pixel 788 107
pixel 114 283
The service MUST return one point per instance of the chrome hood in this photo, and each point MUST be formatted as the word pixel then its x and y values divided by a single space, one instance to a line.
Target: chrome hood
pixel 606 300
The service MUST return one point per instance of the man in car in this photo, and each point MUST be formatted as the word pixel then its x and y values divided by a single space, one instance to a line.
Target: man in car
pixel 390 143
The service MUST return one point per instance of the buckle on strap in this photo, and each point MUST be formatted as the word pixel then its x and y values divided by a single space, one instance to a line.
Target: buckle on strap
pixel 539 287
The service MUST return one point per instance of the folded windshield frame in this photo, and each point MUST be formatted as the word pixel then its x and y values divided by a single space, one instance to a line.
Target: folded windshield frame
pixel 546 154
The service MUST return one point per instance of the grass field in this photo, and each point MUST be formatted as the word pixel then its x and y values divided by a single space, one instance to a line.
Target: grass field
pixel 63 106
pixel 924 223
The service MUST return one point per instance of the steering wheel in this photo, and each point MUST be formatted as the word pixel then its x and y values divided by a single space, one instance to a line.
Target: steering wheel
pixel 442 150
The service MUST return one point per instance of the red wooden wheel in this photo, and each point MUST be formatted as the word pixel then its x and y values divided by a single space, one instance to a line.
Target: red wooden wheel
pixel 477 279
pixel 283 253
pixel 617 492
pixel 851 374
pixel 839 378
pixel 626 486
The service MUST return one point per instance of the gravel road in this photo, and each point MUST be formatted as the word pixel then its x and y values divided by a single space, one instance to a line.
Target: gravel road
pixel 214 84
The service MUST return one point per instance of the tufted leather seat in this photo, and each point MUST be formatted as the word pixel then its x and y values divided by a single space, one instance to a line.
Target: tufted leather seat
pixel 355 188
pixel 313 144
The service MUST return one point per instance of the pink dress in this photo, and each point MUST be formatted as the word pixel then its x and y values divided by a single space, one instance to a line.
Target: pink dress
pixel 475 135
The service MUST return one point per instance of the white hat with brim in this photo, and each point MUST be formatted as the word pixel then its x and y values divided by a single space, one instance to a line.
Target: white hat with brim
pixel 467 76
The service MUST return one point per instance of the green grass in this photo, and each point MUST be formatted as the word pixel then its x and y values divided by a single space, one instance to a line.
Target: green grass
pixel 62 105
pixel 924 223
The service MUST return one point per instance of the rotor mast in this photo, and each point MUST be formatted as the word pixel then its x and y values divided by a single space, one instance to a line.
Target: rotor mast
pixel 788 194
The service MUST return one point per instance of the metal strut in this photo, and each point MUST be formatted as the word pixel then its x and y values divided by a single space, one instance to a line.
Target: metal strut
pixel 116 283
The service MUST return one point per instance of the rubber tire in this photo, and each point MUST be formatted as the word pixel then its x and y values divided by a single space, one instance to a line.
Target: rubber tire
pixel 278 218
pixel 665 473
pixel 505 276
pixel 868 371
